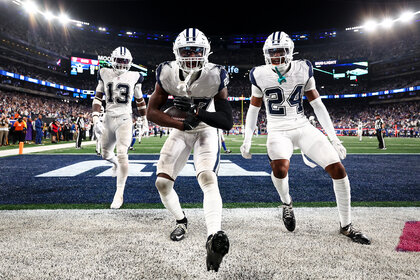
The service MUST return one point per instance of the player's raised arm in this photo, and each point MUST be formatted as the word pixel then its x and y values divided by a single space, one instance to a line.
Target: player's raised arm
pixel 96 106
pixel 154 114
pixel 138 97
pixel 251 121
pixel 324 119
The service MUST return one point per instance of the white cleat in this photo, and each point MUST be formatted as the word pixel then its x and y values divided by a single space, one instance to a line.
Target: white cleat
pixel 117 202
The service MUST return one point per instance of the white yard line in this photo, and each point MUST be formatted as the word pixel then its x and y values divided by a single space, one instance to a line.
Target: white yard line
pixel 13 152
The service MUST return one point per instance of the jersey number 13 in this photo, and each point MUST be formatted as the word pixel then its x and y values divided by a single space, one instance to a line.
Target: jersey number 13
pixel 120 95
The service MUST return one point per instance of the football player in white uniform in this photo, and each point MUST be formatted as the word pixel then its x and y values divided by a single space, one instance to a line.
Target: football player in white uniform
pixel 140 126
pixel 119 85
pixel 280 84
pixel 199 88
pixel 360 130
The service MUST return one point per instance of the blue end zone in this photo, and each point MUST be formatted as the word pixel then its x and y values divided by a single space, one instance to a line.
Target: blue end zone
pixel 372 178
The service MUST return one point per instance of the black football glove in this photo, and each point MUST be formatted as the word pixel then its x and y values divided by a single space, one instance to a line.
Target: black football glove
pixel 184 103
pixel 191 121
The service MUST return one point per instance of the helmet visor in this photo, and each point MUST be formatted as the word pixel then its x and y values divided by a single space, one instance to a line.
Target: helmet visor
pixel 191 52
pixel 191 57
pixel 121 63
pixel 278 55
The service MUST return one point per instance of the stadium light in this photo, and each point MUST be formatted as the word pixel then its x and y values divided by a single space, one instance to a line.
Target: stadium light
pixel 387 23
pixel 406 16
pixel 48 15
pixel 370 25
pixel 64 19
pixel 30 7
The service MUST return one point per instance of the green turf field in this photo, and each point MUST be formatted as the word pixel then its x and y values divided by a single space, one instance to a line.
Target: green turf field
pixel 368 145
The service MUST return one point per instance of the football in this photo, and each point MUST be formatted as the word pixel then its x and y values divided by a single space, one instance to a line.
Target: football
pixel 175 113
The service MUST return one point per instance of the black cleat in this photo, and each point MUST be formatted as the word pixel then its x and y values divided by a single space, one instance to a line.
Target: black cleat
pixel 217 247
pixel 289 217
pixel 180 230
pixel 354 234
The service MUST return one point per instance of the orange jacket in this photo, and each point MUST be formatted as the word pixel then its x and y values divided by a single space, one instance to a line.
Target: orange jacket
pixel 19 126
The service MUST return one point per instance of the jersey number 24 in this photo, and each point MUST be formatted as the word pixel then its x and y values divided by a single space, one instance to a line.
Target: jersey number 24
pixel 275 100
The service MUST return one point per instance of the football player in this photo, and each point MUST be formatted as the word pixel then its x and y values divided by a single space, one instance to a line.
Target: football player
pixel 281 84
pixel 140 125
pixel 119 85
pixel 199 88
pixel 98 136
pixel 222 140
pixel 360 130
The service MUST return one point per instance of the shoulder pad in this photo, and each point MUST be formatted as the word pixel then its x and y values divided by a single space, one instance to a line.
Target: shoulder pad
pixel 253 74
pixel 159 70
pixel 98 75
pixel 310 68
pixel 140 79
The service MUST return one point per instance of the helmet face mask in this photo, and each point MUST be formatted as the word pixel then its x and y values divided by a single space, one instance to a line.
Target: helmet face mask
pixel 121 60
pixel 278 50
pixel 278 56
pixel 191 49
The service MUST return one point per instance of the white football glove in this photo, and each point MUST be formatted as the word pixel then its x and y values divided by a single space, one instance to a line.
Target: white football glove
pixel 245 150
pixel 99 128
pixel 341 151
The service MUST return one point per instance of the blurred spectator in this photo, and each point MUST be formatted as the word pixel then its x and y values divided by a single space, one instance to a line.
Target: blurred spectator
pixel 29 130
pixel 54 131
pixel 4 130
pixel 19 130
pixel 38 127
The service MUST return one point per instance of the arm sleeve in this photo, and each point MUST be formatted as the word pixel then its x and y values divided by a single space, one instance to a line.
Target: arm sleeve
pixel 255 91
pixel 324 118
pixel 310 85
pixel 251 122
pixel 137 87
pixel 100 86
pixel 137 91
pixel 222 118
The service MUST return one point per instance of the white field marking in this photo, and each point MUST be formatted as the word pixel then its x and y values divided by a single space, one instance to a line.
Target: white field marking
pixel 12 152
pixel 136 167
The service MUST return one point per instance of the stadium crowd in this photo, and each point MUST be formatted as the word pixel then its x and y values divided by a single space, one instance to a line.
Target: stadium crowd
pixel 58 118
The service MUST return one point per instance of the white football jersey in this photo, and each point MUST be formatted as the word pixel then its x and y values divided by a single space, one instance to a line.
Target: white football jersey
pixel 283 102
pixel 212 79
pixel 119 90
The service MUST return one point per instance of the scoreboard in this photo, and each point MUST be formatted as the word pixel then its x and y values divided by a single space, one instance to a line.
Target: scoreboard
pixel 86 65
pixel 80 65
pixel 341 70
